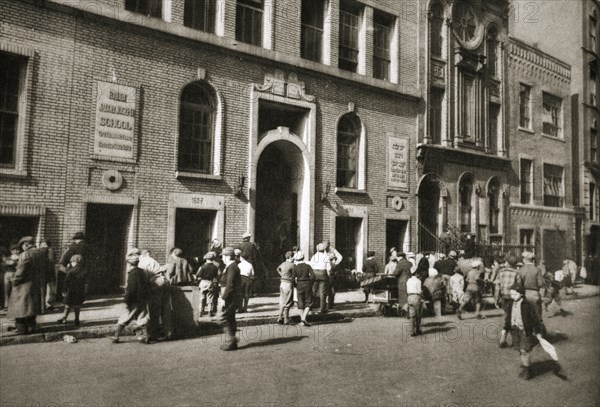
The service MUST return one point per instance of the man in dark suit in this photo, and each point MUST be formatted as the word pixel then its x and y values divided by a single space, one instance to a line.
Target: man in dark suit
pixel 80 247
pixel 231 293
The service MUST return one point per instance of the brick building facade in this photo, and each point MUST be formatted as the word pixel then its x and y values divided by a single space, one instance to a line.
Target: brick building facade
pixel 157 124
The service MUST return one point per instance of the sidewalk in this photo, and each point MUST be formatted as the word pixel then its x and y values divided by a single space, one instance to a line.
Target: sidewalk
pixel 99 316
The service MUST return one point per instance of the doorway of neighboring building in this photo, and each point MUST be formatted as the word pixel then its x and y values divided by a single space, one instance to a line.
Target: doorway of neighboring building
pixel 395 236
pixel 106 232
pixel 555 248
pixel 193 231
pixel 429 204
pixel 347 239
pixel 13 228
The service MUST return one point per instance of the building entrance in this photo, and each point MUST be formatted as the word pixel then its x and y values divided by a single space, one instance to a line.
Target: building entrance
pixel 106 231
pixel 395 236
pixel 279 187
pixel 429 204
pixel 193 231
pixel 347 239
pixel 13 228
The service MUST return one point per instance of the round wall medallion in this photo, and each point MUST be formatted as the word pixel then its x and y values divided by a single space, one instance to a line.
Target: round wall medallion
pixel 397 203
pixel 112 180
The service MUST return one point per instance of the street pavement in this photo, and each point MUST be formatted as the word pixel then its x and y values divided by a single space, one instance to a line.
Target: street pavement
pixel 363 362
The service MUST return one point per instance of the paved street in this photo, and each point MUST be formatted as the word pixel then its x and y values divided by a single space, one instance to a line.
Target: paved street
pixel 368 361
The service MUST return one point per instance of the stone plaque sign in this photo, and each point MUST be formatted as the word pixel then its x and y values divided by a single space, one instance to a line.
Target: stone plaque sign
pixel 397 163
pixel 115 120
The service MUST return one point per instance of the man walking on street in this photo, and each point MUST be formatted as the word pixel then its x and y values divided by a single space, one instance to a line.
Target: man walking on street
pixel 247 277
pixel 231 291
pixel 474 288
pixel 335 259
pixel 304 278
pixel 533 282
pixel 79 246
pixel 505 279
pixel 415 303
pixel 286 288
pixel 208 284
pixel 322 267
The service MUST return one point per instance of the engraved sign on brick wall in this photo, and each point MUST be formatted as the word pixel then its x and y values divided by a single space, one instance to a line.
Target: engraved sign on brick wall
pixel 115 120
pixel 397 163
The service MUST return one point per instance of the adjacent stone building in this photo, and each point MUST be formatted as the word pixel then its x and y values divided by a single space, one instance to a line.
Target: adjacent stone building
pixel 169 123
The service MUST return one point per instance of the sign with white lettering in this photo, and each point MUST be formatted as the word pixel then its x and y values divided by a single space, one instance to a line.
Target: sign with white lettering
pixel 115 120
pixel 397 163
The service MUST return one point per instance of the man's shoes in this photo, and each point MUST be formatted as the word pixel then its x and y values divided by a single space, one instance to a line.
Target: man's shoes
pixel 62 321
pixel 77 322
pixel 229 346
pixel 419 332
pixel 525 373
pixel 304 323
pixel 114 339
pixel 280 321
pixel 503 345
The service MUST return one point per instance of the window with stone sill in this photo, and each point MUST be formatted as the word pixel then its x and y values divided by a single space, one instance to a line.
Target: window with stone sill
pixel 249 21
pixel 551 115
pixel 383 27
pixel 11 77
pixel 196 128
pixel 312 15
pixel 494 207
pixel 525 106
pixel 200 15
pixel 348 138
pixel 150 8
pixel 553 186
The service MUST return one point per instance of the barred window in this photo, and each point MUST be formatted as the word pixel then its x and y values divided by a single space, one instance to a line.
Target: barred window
pixel 196 128
pixel 10 78
pixel 312 30
pixel 382 37
pixel 248 21
pixel 348 41
pixel 348 135
pixel 200 15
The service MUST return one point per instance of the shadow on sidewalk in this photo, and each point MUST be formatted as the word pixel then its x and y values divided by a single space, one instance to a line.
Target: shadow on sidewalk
pixel 545 366
pixel 273 341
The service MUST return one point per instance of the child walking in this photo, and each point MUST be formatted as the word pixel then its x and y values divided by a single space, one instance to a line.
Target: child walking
pixel 74 294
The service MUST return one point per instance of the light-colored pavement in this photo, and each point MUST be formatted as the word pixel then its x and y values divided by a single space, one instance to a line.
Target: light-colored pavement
pixel 365 362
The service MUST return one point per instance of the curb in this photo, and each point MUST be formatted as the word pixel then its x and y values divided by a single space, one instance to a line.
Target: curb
pixel 202 329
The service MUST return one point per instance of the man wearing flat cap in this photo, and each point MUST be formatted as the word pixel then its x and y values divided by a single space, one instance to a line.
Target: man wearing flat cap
pixel 533 281
pixel 231 292
pixel 321 265
pixel 473 292
pixel 250 252
pixel 208 285
pixel 80 247
pixel 24 302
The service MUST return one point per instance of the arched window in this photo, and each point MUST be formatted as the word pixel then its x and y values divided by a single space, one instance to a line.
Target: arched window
pixel 196 128
pixel 492 51
pixel 348 145
pixel 436 24
pixel 494 206
pixel 465 191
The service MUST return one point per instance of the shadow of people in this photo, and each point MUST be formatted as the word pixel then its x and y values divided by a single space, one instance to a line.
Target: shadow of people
pixel 273 341
pixel 545 366
pixel 554 337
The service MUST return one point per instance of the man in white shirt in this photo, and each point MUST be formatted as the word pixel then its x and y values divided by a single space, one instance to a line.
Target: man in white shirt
pixel 321 264
pixel 247 274
pixel 335 259
pixel 415 294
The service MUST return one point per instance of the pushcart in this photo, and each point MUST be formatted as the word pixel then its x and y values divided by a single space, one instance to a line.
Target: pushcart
pixel 384 291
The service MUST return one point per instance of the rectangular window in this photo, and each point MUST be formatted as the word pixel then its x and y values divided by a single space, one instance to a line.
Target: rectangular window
pixel 592 201
pixel 553 186
pixel 200 15
pixel 435 115
pixel 248 21
pixel 349 29
pixel 526 237
pixel 493 119
pixel 552 115
pixel 382 38
pixel 436 26
pixel 469 109
pixel 526 179
pixel 150 8
pixel 592 33
pixel 10 83
pixel 594 146
pixel 525 106
pixel 312 30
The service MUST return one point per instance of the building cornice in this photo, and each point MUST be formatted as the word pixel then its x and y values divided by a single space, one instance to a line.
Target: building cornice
pixel 525 53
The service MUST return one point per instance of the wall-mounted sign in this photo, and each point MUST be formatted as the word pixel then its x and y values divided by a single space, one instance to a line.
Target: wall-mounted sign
pixel 114 130
pixel 397 163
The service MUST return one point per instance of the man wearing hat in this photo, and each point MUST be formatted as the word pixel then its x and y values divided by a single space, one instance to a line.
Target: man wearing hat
pixel 231 292
pixel 473 291
pixel 522 321
pixel 403 271
pixel 370 269
pixel 335 259
pixel 80 247
pixel 286 288
pixel 321 265
pixel 25 301
pixel 304 278
pixel 137 297
pixel 250 252
pixel 533 281
pixel 208 283
pixel 415 302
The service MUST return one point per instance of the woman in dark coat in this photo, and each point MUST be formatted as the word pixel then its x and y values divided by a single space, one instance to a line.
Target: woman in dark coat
pixel 403 273
pixel 74 294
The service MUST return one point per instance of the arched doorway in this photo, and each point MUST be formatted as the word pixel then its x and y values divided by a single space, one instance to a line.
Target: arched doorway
pixel 281 201
pixel 430 211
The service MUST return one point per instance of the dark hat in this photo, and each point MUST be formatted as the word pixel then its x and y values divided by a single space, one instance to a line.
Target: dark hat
pixel 401 254
pixel 15 247
pixel 78 236
pixel 26 239
pixel 370 253
pixel 210 255
pixel 228 251
pixel 517 286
